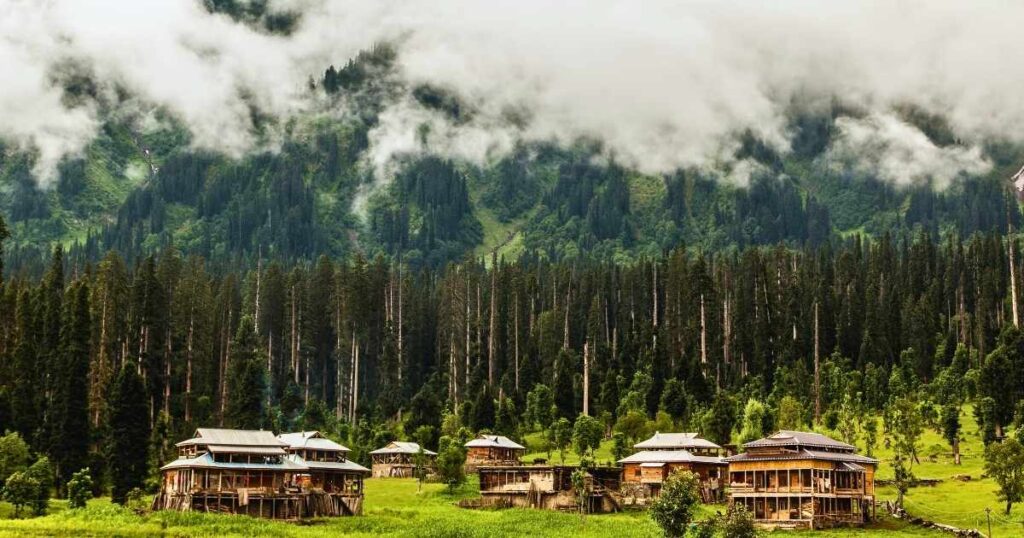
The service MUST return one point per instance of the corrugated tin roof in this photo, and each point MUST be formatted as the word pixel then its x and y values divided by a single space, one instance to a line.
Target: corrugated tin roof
pixel 348 466
pixel 402 447
pixel 675 440
pixel 219 436
pixel 292 463
pixel 804 454
pixel 494 441
pixel 313 440
pixel 206 462
pixel 259 450
pixel 670 456
pixel 794 438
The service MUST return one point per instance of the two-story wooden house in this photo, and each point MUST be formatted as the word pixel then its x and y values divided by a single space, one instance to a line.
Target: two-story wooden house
pixel 255 473
pixel 666 453
pixel 801 479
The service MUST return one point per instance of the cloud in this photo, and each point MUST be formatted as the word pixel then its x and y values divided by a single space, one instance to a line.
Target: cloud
pixel 901 154
pixel 664 84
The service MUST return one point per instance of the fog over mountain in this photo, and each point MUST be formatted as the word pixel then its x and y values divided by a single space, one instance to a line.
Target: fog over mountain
pixel 662 85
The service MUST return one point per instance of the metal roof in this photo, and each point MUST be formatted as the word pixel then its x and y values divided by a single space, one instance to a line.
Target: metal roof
pixel 794 438
pixel 804 454
pixel 402 447
pixel 219 436
pixel 494 441
pixel 347 465
pixel 670 456
pixel 292 463
pixel 312 440
pixel 675 440
pixel 206 462
pixel 260 450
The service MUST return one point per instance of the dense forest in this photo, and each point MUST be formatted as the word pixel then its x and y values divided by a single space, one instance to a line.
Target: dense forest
pixel 97 357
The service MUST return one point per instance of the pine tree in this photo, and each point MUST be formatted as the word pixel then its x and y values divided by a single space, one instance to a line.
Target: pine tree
pixel 26 375
pixel 246 380
pixel 129 434
pixel 69 402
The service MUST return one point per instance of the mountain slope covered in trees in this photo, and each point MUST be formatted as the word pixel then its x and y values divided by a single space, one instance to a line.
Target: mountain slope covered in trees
pixel 140 187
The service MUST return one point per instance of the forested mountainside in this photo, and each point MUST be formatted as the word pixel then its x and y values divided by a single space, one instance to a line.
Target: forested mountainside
pixel 371 351
pixel 139 188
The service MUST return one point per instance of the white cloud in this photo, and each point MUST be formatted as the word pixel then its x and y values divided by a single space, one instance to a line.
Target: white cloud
pixel 901 154
pixel 664 83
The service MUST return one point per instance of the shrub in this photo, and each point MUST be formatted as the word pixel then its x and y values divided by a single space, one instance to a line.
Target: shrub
pixel 739 523
pixel 42 472
pixel 450 459
pixel 673 510
pixel 13 455
pixel 135 500
pixel 79 489
pixel 19 490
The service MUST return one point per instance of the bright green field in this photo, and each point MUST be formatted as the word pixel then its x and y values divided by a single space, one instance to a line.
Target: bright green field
pixel 396 508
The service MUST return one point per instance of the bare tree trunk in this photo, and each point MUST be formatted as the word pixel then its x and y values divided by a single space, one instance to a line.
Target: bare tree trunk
pixel 227 365
pixel 703 338
pixel 188 363
pixel 401 355
pixel 168 351
pixel 294 339
pixel 516 331
pixel 493 325
pixel 586 378
pixel 259 273
pixel 1013 277
pixel 817 376
pixel 565 332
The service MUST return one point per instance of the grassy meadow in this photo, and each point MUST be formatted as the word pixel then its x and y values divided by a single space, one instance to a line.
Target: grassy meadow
pixel 396 507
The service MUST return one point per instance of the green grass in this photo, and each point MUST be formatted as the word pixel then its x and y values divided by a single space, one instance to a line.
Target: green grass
pixel 395 507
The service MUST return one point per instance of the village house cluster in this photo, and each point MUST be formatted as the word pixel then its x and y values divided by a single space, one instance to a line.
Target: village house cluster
pixel 789 479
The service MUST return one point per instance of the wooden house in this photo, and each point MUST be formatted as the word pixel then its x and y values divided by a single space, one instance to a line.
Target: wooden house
pixel 493 451
pixel 255 473
pixel 800 479
pixel 548 487
pixel 398 460
pixel 644 472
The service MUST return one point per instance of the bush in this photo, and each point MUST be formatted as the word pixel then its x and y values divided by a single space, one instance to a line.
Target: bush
pixel 79 489
pixel 135 500
pixel 739 523
pixel 673 510
pixel 42 472
pixel 20 489
pixel 450 460
pixel 13 455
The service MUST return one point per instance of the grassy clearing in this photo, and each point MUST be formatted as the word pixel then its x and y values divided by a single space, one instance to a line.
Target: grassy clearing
pixel 396 508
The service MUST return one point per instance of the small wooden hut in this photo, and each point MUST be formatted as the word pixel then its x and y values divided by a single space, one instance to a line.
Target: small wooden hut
pixel 493 451
pixel 253 472
pixel 801 479
pixel 398 460
pixel 549 487
pixel 664 453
